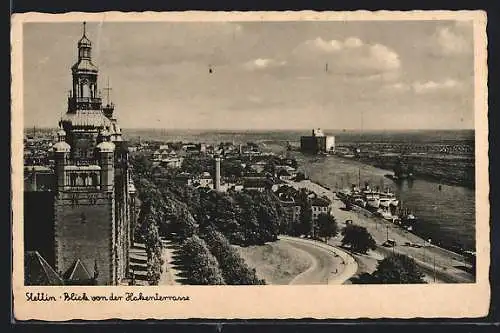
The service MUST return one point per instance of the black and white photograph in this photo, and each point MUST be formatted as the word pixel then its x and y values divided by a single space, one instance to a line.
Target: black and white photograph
pixel 264 152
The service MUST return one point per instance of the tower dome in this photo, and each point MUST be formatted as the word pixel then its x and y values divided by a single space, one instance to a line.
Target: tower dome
pixel 61 134
pixel 61 147
pixel 106 147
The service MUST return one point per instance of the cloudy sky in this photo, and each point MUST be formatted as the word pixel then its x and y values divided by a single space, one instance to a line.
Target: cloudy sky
pixel 273 75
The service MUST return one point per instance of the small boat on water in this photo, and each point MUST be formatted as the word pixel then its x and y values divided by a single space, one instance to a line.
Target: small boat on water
pixel 408 218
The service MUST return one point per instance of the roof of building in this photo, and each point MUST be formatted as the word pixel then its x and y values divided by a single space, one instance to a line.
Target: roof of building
pixel 85 65
pixel 82 168
pixel 206 174
pixel 84 41
pixel 38 272
pixel 256 183
pixel 87 118
pixel 38 168
pixel 253 175
pixel 77 272
pixel 323 202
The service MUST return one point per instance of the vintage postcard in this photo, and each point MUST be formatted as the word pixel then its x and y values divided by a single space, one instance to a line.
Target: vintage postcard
pixel 250 165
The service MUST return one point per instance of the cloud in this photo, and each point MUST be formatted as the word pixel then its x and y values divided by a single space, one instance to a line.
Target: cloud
pixel 425 87
pixel 263 63
pixel 351 56
pixel 397 87
pixel 452 40
pixel 322 45
pixel 433 86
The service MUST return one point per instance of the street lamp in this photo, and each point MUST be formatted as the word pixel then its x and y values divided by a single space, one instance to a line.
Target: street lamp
pixel 434 266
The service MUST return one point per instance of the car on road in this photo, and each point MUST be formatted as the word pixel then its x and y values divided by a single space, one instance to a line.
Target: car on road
pixel 389 243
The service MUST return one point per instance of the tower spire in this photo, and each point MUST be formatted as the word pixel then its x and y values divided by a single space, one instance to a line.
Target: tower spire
pixel 84 30
pixel 107 89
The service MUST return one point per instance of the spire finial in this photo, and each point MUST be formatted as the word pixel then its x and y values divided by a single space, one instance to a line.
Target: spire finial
pixel 84 24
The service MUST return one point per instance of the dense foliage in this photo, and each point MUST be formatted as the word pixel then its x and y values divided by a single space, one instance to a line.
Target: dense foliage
pixel 150 217
pixel 358 238
pixel 181 212
pixel 234 269
pixel 327 226
pixel 398 268
pixel 244 218
pixel 395 269
pixel 305 220
pixel 197 166
pixel 200 265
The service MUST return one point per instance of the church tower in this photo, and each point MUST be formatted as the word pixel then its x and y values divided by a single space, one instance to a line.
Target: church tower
pixel 91 211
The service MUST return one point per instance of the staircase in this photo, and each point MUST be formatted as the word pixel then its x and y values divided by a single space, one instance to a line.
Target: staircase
pixel 138 266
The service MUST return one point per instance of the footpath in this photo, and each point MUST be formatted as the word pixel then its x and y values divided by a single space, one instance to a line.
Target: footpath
pixel 170 274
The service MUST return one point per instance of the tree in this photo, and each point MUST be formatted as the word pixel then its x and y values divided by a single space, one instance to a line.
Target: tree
pixel 358 238
pixel 232 169
pixel 398 268
pixel 142 164
pixel 234 269
pixel 327 226
pixel 270 215
pixel 202 267
pixel 192 166
pixel 305 217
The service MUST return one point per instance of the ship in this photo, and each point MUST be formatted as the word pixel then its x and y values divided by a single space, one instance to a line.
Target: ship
pixel 383 203
pixel 408 219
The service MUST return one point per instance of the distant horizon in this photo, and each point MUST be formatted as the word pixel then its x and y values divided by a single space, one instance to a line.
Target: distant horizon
pixel 273 129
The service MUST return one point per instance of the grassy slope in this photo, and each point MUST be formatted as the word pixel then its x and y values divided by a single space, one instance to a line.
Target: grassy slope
pixel 277 262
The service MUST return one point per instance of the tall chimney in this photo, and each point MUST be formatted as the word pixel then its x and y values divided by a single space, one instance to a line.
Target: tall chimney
pixel 217 172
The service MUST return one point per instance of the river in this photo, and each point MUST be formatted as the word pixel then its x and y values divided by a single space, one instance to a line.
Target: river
pixel 447 216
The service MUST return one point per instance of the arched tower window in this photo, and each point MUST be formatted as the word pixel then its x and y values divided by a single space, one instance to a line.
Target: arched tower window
pixel 94 179
pixel 79 180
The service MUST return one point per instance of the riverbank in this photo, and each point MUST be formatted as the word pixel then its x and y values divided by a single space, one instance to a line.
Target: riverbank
pixel 446 265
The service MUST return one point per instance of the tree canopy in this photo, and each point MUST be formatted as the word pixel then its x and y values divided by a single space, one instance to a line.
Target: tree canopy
pixel 202 267
pixel 398 268
pixel 305 218
pixel 327 226
pixel 358 238
pixel 234 269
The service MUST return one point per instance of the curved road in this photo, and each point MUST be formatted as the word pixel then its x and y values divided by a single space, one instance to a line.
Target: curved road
pixel 330 265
